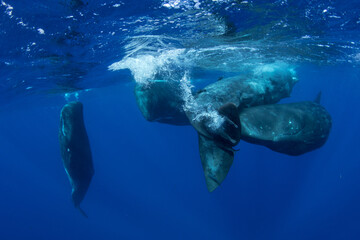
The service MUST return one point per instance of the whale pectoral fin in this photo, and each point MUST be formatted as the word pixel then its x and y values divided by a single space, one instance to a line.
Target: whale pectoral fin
pixel 216 161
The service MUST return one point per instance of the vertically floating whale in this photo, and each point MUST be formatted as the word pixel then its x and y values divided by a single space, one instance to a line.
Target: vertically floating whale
pixel 75 151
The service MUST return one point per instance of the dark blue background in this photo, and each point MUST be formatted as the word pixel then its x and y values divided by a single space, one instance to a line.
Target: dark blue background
pixel 149 184
pixel 148 181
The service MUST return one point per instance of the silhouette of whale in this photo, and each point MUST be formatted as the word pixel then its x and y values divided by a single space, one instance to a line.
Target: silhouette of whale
pixel 75 151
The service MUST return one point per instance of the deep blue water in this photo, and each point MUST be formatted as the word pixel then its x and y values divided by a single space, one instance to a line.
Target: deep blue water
pixel 148 181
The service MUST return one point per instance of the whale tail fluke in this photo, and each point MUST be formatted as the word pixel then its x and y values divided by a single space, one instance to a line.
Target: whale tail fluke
pixel 216 161
pixel 318 98
pixel 82 212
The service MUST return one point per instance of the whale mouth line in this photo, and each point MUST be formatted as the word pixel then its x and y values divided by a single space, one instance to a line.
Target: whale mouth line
pixel 232 122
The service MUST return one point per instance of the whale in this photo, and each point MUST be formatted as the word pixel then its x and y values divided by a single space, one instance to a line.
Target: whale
pixel 75 151
pixel 164 101
pixel 161 101
pixel 214 110
pixel 214 113
pixel 292 128
pixel 239 108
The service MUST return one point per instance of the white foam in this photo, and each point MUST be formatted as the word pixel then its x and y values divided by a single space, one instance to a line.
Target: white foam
pixel 9 8
pixel 72 95
pixel 172 4
pixel 176 4
pixel 41 31
pixel 357 57
pixel 145 67
pixel 198 113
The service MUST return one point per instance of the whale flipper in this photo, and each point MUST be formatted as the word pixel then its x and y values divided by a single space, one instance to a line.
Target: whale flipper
pixel 216 161
pixel 75 151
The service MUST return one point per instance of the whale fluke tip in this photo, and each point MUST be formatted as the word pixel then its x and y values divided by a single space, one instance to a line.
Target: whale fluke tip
pixel 82 212
pixel 216 162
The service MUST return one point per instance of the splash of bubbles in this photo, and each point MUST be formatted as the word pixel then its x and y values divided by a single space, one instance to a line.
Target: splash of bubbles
pixel 73 96
pixel 357 57
pixel 144 68
pixel 176 4
pixel 199 113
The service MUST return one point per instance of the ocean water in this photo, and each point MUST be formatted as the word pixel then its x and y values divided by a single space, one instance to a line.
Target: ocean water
pixel 149 181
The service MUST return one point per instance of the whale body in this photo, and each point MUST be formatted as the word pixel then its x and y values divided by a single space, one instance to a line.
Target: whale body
pixel 214 110
pixel 239 108
pixel 293 128
pixel 161 101
pixel 214 113
pixel 75 151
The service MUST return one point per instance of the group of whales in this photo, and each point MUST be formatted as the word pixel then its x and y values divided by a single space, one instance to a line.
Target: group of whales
pixel 223 113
